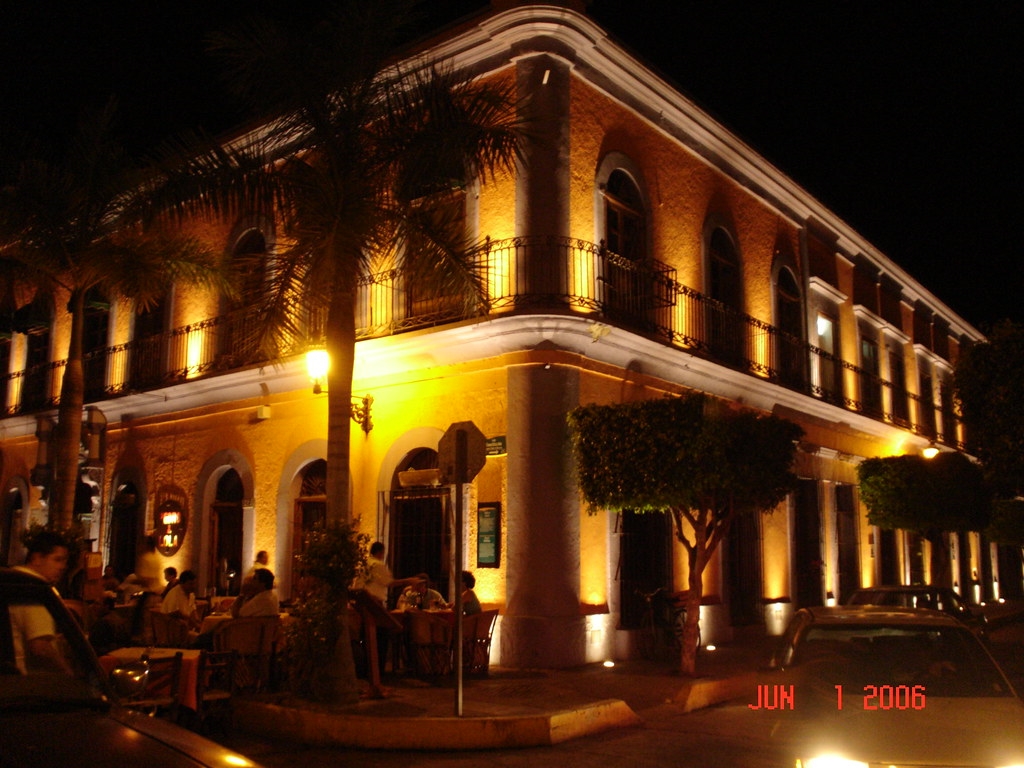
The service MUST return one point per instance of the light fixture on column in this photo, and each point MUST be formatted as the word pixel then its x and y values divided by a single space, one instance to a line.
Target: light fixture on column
pixel 318 363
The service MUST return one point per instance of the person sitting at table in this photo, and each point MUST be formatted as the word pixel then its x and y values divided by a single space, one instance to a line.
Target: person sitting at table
pixel 111 630
pixel 110 582
pixel 420 595
pixel 262 561
pixel 181 602
pixel 258 597
pixel 470 602
pixel 171 577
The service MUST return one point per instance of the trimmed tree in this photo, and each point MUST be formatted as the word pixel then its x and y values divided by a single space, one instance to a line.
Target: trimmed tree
pixel 927 496
pixel 692 457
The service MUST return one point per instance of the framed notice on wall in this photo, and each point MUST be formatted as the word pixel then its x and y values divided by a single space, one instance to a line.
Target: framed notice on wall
pixel 488 535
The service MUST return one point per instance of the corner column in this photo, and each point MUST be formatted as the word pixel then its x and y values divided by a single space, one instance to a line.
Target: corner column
pixel 542 626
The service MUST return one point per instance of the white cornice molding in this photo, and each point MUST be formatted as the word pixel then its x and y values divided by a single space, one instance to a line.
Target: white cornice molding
pixel 826 289
pixel 607 66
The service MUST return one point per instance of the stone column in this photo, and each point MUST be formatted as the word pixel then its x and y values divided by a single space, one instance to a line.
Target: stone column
pixel 542 626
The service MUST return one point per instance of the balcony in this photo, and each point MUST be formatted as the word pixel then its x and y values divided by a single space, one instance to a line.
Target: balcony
pixel 523 276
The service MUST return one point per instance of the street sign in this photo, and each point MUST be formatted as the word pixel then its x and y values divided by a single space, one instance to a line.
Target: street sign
pixel 473 452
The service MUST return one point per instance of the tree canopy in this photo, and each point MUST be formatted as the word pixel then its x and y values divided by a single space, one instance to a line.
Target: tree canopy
pixel 692 457
pixel 945 493
pixel 361 165
pixel 989 381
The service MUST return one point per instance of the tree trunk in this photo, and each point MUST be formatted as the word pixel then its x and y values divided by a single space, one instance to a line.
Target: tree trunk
pixel 341 347
pixel 68 432
pixel 698 561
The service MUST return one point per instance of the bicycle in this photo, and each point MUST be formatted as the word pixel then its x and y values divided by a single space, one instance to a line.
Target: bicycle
pixel 662 623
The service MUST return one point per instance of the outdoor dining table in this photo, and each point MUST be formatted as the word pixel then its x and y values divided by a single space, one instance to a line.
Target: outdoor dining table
pixel 189 667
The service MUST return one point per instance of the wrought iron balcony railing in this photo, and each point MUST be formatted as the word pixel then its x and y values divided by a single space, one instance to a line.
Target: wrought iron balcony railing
pixel 522 276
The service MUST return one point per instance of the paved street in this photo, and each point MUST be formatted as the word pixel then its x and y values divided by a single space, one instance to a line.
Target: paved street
pixel 725 736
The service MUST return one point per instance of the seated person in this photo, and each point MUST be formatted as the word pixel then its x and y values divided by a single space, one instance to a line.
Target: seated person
pixel 110 582
pixel 111 630
pixel 420 595
pixel 258 597
pixel 181 601
pixel 171 577
pixel 470 602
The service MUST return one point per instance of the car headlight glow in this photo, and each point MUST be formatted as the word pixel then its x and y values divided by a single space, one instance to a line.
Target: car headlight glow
pixel 830 761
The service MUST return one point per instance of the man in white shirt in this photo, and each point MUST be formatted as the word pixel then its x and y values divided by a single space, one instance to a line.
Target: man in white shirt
pixel 33 628
pixel 180 602
pixel 258 597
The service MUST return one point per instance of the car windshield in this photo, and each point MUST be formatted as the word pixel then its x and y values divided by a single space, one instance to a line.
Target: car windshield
pixel 948 661
pixel 40 665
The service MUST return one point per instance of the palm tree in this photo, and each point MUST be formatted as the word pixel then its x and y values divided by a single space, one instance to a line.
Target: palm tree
pixel 68 227
pixel 355 163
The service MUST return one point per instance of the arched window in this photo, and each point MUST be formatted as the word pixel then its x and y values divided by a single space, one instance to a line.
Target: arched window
pixel 624 217
pixel 95 341
pixel 240 324
pixel 148 355
pixel 726 326
pixel 310 505
pixel 790 359
pixel 627 275
pixel 35 320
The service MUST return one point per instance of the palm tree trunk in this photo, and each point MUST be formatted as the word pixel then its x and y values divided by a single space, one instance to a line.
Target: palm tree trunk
pixel 341 347
pixel 68 433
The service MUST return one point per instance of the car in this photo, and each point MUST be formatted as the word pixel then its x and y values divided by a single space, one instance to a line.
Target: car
pixel 922 596
pixel 863 687
pixel 68 713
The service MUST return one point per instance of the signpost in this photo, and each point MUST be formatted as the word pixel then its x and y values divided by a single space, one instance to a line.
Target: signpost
pixel 461 454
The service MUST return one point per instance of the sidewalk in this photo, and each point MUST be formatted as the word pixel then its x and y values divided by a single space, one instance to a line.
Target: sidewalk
pixel 519 708
pixel 516 708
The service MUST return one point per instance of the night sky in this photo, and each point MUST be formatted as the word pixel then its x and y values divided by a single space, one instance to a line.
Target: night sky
pixel 903 117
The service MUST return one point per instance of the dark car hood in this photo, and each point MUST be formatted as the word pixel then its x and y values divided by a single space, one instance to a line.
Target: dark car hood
pixel 95 739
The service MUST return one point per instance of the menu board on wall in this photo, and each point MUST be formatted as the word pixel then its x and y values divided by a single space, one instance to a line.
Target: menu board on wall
pixel 488 535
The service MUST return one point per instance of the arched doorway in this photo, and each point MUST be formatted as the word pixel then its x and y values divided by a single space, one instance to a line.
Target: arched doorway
pixel 226 534
pixel 125 529
pixel 10 526
pixel 420 529
pixel 310 507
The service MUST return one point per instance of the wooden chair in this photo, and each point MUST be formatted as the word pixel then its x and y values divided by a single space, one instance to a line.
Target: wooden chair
pixel 430 643
pixel 167 631
pixel 255 640
pixel 477 630
pixel 163 687
pixel 215 686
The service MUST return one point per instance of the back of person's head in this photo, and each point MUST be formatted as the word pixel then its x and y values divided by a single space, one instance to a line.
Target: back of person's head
pixel 44 543
pixel 170 572
pixel 377 549
pixel 263 557
pixel 265 577
pixel 186 577
pixel 468 580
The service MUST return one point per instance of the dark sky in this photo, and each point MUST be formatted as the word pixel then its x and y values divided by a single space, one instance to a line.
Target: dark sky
pixel 903 117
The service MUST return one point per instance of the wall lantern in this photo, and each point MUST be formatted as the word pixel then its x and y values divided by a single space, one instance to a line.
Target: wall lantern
pixel 930 451
pixel 318 363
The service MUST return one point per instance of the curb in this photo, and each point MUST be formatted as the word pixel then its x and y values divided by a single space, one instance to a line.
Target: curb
pixel 708 693
pixel 433 733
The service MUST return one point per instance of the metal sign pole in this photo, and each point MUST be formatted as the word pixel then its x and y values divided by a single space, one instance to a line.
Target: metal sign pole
pixel 460 477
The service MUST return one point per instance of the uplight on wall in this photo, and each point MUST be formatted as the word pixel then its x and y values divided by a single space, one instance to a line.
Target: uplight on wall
pixel 930 451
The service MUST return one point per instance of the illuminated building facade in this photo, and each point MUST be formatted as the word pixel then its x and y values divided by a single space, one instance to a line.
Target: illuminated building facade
pixel 641 249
